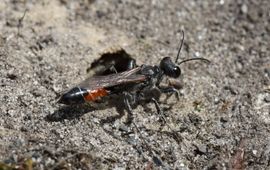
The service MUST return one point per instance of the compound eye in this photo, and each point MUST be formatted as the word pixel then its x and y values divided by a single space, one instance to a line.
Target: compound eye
pixel 176 72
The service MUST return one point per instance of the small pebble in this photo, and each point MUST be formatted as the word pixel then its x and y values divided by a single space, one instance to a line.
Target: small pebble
pixel 124 128
pixel 254 152
pixel 202 148
pixel 244 8
pixel 221 2
pixel 267 99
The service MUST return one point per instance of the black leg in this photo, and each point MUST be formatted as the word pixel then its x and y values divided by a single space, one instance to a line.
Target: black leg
pixel 170 90
pixel 127 98
pixel 112 69
pixel 158 109
pixel 175 134
pixel 155 157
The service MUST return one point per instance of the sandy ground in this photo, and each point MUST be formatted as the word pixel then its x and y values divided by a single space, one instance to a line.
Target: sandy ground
pixel 223 112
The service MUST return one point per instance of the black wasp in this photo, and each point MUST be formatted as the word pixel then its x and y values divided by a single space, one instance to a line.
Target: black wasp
pixel 134 82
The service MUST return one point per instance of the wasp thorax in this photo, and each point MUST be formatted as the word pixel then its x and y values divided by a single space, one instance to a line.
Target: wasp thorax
pixel 169 68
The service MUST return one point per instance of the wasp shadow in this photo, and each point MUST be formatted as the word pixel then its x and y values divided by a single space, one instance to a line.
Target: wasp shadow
pixel 76 111
pixel 69 113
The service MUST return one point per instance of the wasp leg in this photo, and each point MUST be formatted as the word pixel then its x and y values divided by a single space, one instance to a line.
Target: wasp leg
pixel 127 98
pixel 170 91
pixel 174 133
pixel 157 160
pixel 158 109
pixel 113 69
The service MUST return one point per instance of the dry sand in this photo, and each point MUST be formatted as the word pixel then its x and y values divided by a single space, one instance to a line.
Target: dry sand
pixel 223 112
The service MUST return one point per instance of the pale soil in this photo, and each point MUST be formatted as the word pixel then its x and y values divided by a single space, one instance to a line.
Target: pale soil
pixel 221 104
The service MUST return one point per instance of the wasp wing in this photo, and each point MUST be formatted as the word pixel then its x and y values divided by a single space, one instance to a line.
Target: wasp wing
pixel 126 77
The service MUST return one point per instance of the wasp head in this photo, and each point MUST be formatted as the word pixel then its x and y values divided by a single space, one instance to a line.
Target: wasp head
pixel 169 67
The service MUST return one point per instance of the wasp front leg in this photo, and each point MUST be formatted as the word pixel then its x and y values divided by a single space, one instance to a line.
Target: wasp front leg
pixel 169 91
pixel 160 113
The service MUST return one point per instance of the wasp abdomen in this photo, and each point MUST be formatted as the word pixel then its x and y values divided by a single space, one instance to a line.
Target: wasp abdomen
pixel 95 94
pixel 78 95
pixel 73 96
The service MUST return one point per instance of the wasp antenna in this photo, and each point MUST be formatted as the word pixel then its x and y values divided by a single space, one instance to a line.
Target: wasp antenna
pixel 181 44
pixel 202 59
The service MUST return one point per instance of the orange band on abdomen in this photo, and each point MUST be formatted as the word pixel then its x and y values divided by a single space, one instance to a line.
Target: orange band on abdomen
pixel 95 94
